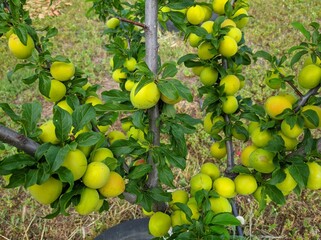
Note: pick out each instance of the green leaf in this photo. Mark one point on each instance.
(145, 200)
(182, 90)
(142, 83)
(275, 145)
(200, 196)
(251, 116)
(87, 139)
(17, 179)
(23, 65)
(51, 32)
(159, 195)
(44, 83)
(180, 4)
(143, 69)
(302, 29)
(108, 118)
(169, 110)
(187, 120)
(209, 217)
(240, 169)
(220, 230)
(175, 160)
(315, 25)
(169, 69)
(165, 175)
(302, 46)
(31, 114)
(242, 131)
(43, 174)
(22, 32)
(31, 177)
(8, 110)
(82, 116)
(177, 18)
(187, 57)
(63, 202)
(178, 140)
(16, 162)
(124, 147)
(30, 80)
(16, 3)
(139, 171)
(308, 142)
(167, 89)
(265, 55)
(199, 31)
(275, 194)
(225, 219)
(115, 95)
(60, 58)
(66, 176)
(113, 106)
(297, 57)
(299, 170)
(41, 150)
(111, 162)
(55, 156)
(186, 210)
(185, 235)
(63, 123)
(138, 118)
(278, 176)
(311, 116)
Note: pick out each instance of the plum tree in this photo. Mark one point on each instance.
(282, 149)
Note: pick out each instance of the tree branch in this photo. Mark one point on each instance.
(306, 97)
(30, 147)
(133, 22)
(295, 88)
(300, 151)
(18, 140)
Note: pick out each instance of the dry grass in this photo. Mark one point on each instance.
(79, 38)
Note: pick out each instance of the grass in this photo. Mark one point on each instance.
(80, 39)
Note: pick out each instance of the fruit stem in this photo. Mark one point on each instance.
(305, 98)
(151, 44)
(18, 140)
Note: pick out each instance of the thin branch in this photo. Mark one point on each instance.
(6, 5)
(129, 197)
(306, 97)
(295, 88)
(133, 22)
(301, 152)
(18, 140)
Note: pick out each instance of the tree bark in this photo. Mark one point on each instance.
(151, 9)
(17, 140)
